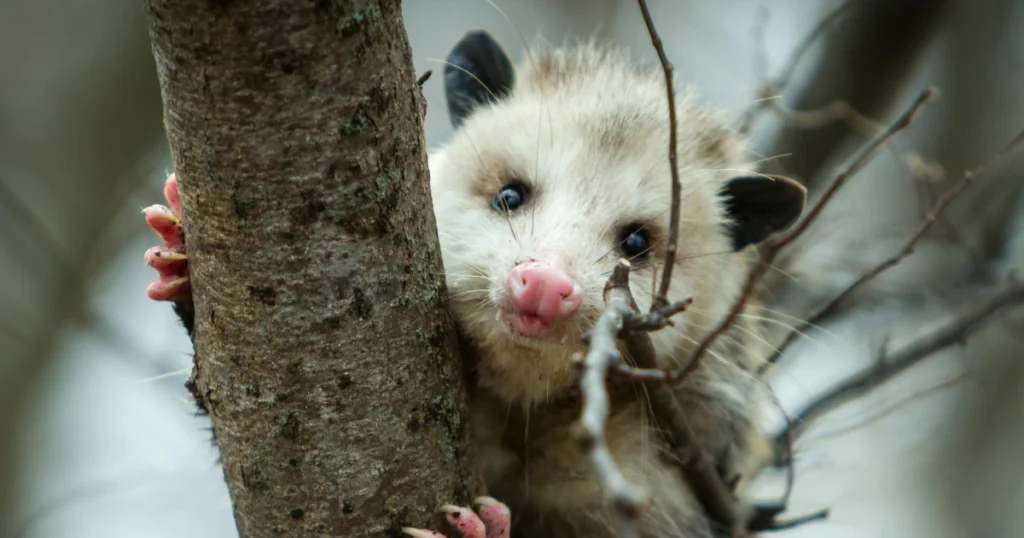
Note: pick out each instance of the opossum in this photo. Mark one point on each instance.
(556, 170)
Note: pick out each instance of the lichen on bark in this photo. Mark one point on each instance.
(325, 352)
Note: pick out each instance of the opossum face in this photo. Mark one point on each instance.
(551, 179)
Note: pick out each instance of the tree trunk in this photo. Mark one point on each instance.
(325, 352)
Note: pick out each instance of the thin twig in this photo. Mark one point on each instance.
(777, 241)
(699, 471)
(788, 524)
(34, 223)
(621, 320)
(661, 299)
(894, 407)
(802, 49)
(625, 498)
(766, 514)
(774, 87)
(906, 250)
(888, 366)
(861, 160)
(838, 110)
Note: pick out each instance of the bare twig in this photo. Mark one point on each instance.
(777, 242)
(805, 45)
(625, 498)
(772, 88)
(661, 299)
(698, 470)
(766, 514)
(838, 110)
(32, 222)
(621, 320)
(889, 366)
(788, 524)
(862, 158)
(895, 407)
(906, 250)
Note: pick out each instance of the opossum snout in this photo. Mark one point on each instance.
(542, 291)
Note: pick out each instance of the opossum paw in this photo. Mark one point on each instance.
(168, 259)
(492, 520)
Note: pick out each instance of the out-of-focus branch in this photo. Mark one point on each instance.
(867, 46)
(890, 365)
(661, 299)
(771, 88)
(906, 250)
(777, 242)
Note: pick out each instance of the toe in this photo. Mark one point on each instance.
(170, 288)
(496, 516)
(167, 260)
(465, 521)
(165, 223)
(171, 194)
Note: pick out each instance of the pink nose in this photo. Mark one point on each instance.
(542, 291)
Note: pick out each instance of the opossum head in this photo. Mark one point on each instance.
(558, 169)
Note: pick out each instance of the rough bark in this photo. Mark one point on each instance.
(325, 352)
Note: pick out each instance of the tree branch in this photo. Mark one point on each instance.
(625, 498)
(890, 365)
(661, 299)
(621, 320)
(906, 250)
(777, 242)
(768, 92)
(866, 47)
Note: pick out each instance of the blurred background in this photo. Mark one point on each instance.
(99, 436)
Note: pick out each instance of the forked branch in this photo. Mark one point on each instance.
(622, 321)
(906, 250)
(778, 241)
(889, 365)
(603, 356)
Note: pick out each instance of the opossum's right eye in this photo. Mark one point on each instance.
(509, 197)
(635, 243)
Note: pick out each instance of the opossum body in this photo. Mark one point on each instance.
(556, 170)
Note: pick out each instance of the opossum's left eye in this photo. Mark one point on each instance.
(635, 243)
(509, 197)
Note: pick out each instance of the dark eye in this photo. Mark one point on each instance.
(509, 197)
(635, 243)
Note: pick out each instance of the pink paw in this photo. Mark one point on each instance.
(168, 259)
(492, 520)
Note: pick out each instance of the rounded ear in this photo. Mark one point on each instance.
(757, 206)
(478, 71)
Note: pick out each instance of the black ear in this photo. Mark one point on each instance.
(761, 205)
(478, 70)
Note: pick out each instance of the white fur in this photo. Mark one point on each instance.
(589, 133)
